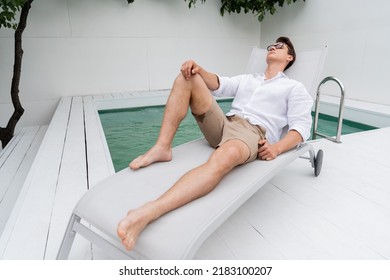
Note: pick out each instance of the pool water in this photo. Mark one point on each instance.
(131, 132)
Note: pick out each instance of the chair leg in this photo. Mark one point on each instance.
(316, 160)
(68, 239)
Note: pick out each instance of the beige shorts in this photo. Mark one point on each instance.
(218, 128)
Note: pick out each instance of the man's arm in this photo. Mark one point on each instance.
(269, 151)
(190, 68)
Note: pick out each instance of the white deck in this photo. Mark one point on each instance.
(342, 214)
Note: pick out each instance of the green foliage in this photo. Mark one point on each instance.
(192, 3)
(256, 7)
(8, 10)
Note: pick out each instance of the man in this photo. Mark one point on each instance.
(262, 106)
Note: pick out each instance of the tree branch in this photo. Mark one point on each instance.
(8, 132)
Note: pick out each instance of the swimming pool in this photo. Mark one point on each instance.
(132, 131)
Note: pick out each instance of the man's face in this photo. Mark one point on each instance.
(278, 51)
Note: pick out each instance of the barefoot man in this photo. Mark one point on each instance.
(262, 106)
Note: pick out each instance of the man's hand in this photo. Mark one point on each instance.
(267, 151)
(189, 68)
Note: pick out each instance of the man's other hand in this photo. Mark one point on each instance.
(267, 151)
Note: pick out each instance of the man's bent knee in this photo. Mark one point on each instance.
(230, 154)
(200, 97)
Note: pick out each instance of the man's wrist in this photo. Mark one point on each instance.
(278, 149)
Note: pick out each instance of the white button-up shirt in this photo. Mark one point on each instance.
(272, 104)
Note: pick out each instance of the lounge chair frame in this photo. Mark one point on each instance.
(210, 211)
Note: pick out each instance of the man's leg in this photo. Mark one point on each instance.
(185, 93)
(194, 184)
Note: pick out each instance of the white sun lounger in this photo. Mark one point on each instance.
(179, 233)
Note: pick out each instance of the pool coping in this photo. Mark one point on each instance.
(372, 114)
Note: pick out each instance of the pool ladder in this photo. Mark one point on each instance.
(341, 110)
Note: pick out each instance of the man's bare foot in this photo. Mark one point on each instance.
(130, 227)
(155, 154)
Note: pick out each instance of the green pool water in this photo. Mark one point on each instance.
(131, 132)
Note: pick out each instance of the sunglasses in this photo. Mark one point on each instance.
(277, 46)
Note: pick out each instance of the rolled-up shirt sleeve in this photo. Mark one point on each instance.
(299, 111)
(228, 86)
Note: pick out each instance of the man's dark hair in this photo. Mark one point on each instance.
(291, 50)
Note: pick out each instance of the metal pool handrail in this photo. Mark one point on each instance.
(341, 110)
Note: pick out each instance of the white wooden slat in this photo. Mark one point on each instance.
(4, 154)
(29, 234)
(214, 248)
(107, 96)
(117, 95)
(72, 179)
(334, 243)
(244, 241)
(364, 179)
(369, 220)
(20, 180)
(8, 168)
(135, 93)
(126, 94)
(279, 231)
(11, 144)
(368, 163)
(334, 197)
(346, 219)
(27, 150)
(99, 160)
(98, 97)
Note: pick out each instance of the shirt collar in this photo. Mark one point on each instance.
(279, 75)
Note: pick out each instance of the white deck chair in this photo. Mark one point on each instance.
(179, 234)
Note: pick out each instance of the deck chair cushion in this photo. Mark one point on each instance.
(178, 234)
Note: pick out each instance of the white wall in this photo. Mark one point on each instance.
(357, 33)
(80, 47)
